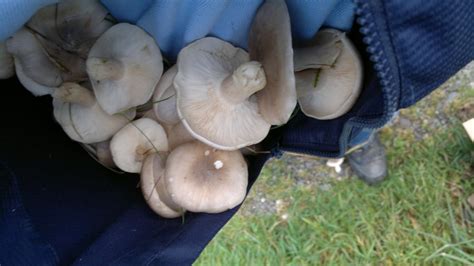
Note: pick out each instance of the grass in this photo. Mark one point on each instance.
(418, 216)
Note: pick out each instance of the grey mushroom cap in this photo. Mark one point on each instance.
(153, 187)
(32, 57)
(177, 134)
(164, 98)
(328, 93)
(270, 43)
(34, 87)
(202, 179)
(71, 25)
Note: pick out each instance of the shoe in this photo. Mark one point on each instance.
(369, 162)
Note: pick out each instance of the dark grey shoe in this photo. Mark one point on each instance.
(369, 162)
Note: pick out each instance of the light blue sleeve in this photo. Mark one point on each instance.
(176, 23)
(15, 13)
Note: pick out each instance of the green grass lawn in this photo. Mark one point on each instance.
(420, 215)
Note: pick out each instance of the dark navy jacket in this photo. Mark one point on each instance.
(57, 206)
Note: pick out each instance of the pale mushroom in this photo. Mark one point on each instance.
(78, 113)
(134, 142)
(32, 86)
(270, 43)
(164, 98)
(322, 53)
(71, 25)
(153, 187)
(34, 61)
(328, 93)
(7, 68)
(103, 153)
(177, 135)
(202, 179)
(215, 86)
(124, 66)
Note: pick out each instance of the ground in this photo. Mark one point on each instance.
(302, 212)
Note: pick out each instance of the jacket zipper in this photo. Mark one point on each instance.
(375, 48)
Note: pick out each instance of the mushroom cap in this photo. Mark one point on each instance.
(152, 177)
(73, 25)
(322, 53)
(103, 153)
(7, 68)
(329, 93)
(36, 64)
(270, 43)
(141, 63)
(202, 179)
(135, 141)
(211, 118)
(177, 135)
(164, 98)
(34, 87)
(86, 123)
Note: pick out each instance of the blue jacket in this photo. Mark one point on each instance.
(409, 48)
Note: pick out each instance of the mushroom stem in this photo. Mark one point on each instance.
(247, 79)
(74, 93)
(104, 68)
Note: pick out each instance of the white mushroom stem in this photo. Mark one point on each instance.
(74, 93)
(104, 68)
(247, 79)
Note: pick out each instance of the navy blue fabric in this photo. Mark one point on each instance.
(20, 243)
(412, 47)
(431, 40)
(69, 209)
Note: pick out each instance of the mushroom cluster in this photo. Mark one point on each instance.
(180, 127)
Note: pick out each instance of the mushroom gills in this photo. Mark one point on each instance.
(215, 86)
(124, 66)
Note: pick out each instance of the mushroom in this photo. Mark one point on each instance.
(202, 179)
(177, 135)
(72, 25)
(153, 187)
(32, 86)
(78, 113)
(103, 153)
(215, 84)
(322, 53)
(270, 44)
(164, 98)
(331, 92)
(124, 65)
(7, 68)
(134, 142)
(34, 61)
